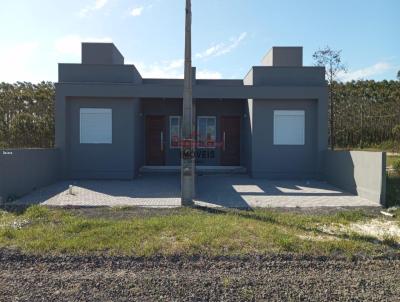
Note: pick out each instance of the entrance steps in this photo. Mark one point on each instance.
(201, 170)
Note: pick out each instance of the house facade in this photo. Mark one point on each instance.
(111, 122)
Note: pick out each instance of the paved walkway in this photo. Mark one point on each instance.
(235, 191)
(148, 191)
(240, 191)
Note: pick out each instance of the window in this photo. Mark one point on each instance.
(206, 131)
(95, 126)
(289, 127)
(174, 131)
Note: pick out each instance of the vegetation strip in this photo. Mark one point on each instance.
(201, 231)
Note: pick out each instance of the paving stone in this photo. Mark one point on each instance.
(235, 191)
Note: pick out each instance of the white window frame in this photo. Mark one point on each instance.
(107, 139)
(281, 142)
(170, 132)
(215, 130)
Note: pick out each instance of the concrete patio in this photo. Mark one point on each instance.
(233, 191)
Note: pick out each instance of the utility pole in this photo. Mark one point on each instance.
(188, 140)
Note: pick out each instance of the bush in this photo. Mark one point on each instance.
(392, 191)
(396, 166)
(37, 212)
(396, 135)
(396, 132)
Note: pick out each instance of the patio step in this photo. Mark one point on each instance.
(201, 170)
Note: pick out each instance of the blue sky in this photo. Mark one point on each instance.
(229, 36)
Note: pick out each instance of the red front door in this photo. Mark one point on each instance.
(230, 135)
(155, 135)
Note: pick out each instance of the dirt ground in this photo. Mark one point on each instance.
(250, 278)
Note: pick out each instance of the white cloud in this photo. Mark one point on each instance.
(96, 5)
(222, 48)
(171, 69)
(365, 73)
(208, 74)
(16, 62)
(100, 3)
(137, 11)
(71, 44)
(165, 69)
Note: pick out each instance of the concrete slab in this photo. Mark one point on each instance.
(241, 191)
(234, 191)
(147, 191)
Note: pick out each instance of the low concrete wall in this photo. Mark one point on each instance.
(24, 170)
(358, 172)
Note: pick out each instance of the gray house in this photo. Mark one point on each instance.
(111, 122)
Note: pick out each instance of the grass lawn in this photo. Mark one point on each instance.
(189, 231)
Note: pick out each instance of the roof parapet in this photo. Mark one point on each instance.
(284, 56)
(101, 54)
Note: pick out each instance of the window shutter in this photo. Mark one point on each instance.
(95, 126)
(289, 127)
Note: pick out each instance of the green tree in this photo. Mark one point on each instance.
(332, 61)
(27, 114)
(23, 128)
(396, 135)
(366, 113)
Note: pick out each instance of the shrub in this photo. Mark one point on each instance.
(37, 212)
(396, 166)
(396, 132)
(396, 135)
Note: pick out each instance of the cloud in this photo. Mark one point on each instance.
(222, 48)
(365, 73)
(16, 62)
(71, 44)
(208, 74)
(137, 11)
(171, 69)
(164, 69)
(96, 5)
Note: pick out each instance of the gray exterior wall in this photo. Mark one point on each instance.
(357, 172)
(277, 161)
(24, 170)
(79, 73)
(101, 53)
(252, 123)
(284, 76)
(103, 161)
(132, 98)
(267, 160)
(138, 132)
(284, 57)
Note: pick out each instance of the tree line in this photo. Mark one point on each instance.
(27, 115)
(366, 113)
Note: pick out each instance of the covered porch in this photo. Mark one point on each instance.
(220, 131)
